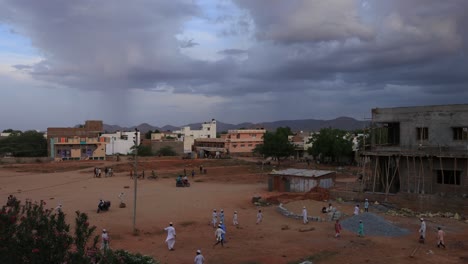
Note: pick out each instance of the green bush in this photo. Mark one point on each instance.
(166, 151)
(30, 233)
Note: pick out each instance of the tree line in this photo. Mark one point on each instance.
(23, 144)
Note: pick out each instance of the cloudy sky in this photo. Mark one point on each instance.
(182, 61)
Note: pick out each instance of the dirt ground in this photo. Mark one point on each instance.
(228, 185)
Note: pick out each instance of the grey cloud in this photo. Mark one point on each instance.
(188, 43)
(232, 52)
(304, 51)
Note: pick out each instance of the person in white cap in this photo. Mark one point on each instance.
(235, 222)
(171, 236)
(221, 215)
(105, 240)
(214, 219)
(219, 236)
(422, 231)
(304, 215)
(366, 206)
(199, 259)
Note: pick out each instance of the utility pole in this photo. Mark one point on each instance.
(135, 180)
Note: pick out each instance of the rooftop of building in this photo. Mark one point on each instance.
(301, 173)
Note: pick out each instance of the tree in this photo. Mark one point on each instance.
(143, 151)
(148, 134)
(276, 144)
(28, 144)
(331, 143)
(12, 131)
(166, 151)
(30, 233)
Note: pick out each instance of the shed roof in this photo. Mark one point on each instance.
(301, 173)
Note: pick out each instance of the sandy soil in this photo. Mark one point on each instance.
(229, 185)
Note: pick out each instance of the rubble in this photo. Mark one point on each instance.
(282, 210)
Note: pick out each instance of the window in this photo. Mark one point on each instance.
(422, 133)
(242, 145)
(250, 145)
(448, 177)
(238, 136)
(253, 135)
(83, 151)
(460, 133)
(235, 146)
(208, 128)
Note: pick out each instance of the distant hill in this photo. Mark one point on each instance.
(308, 125)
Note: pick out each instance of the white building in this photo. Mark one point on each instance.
(120, 142)
(208, 130)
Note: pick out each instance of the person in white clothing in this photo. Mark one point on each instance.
(304, 215)
(214, 219)
(422, 231)
(59, 208)
(171, 236)
(259, 217)
(234, 219)
(199, 259)
(356, 209)
(105, 240)
(219, 236)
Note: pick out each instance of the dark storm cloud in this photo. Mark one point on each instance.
(300, 46)
(372, 43)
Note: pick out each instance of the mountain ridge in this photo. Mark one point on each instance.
(306, 125)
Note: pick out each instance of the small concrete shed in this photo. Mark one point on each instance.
(300, 180)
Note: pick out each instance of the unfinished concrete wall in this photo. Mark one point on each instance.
(439, 120)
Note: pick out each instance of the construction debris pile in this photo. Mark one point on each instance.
(282, 210)
(406, 212)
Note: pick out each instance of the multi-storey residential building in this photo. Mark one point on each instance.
(120, 142)
(77, 143)
(188, 136)
(418, 150)
(243, 140)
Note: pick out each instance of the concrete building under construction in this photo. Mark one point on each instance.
(418, 151)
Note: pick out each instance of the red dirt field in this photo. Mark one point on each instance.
(228, 185)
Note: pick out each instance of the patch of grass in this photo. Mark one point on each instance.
(316, 258)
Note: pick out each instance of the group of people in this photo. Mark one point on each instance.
(108, 172)
(422, 234)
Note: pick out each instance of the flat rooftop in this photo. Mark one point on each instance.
(301, 172)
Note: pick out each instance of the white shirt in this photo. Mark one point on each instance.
(423, 227)
(105, 237)
(171, 234)
(219, 232)
(356, 210)
(304, 213)
(199, 259)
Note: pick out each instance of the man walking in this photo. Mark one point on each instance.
(366, 206)
(259, 217)
(422, 231)
(105, 240)
(171, 236)
(221, 215)
(214, 218)
(337, 229)
(304, 215)
(440, 237)
(219, 236)
(223, 227)
(234, 220)
(199, 259)
(361, 229)
(356, 209)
